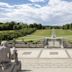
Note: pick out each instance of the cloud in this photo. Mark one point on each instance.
(54, 2)
(37, 0)
(56, 12)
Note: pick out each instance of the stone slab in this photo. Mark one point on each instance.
(54, 53)
(28, 53)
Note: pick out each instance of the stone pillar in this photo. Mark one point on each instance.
(46, 42)
(62, 43)
(53, 42)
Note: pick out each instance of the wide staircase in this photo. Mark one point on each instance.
(29, 65)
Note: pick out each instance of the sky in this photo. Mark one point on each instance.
(46, 12)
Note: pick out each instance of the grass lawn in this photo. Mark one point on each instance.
(46, 33)
(40, 34)
(61, 32)
(67, 34)
(29, 38)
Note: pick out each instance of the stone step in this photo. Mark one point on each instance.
(25, 71)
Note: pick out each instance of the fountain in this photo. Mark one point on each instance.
(53, 41)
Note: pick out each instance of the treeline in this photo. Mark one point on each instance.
(17, 26)
(10, 30)
(37, 26)
(12, 26)
(66, 26)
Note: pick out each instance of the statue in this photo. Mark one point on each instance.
(8, 59)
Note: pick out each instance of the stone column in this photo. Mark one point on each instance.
(46, 42)
(62, 43)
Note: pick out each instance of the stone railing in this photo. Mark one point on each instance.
(26, 45)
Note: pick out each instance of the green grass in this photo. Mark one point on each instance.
(61, 32)
(69, 38)
(45, 32)
(40, 34)
(67, 34)
(29, 38)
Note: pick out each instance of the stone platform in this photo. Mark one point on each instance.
(45, 60)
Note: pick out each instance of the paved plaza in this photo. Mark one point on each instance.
(53, 53)
(53, 58)
(28, 53)
(45, 60)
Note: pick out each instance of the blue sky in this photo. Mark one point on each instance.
(47, 12)
(15, 1)
(21, 1)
